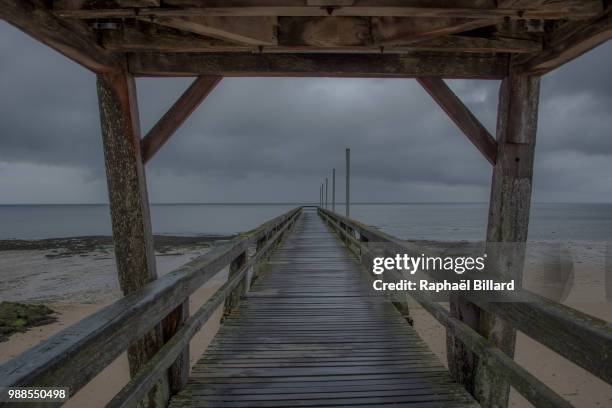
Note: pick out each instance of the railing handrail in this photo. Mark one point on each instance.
(581, 338)
(72, 357)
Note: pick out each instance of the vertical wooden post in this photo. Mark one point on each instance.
(129, 206)
(348, 182)
(131, 222)
(506, 233)
(234, 298)
(334, 190)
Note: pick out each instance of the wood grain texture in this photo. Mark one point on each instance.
(129, 205)
(408, 65)
(311, 332)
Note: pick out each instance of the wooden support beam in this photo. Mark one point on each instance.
(559, 9)
(567, 44)
(253, 31)
(506, 234)
(129, 204)
(71, 39)
(461, 115)
(176, 115)
(151, 37)
(407, 65)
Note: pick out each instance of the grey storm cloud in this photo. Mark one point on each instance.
(261, 138)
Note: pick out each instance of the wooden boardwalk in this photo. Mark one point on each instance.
(311, 333)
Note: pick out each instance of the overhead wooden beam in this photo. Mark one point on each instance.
(71, 39)
(568, 43)
(560, 9)
(133, 40)
(139, 3)
(408, 65)
(176, 115)
(461, 115)
(254, 31)
(151, 37)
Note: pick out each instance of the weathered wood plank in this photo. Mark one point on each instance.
(319, 65)
(149, 37)
(291, 342)
(461, 116)
(563, 9)
(254, 31)
(71, 39)
(161, 132)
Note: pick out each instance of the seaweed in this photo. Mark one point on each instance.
(19, 317)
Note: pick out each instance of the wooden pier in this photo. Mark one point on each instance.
(312, 333)
(513, 41)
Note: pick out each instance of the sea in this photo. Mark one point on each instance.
(431, 221)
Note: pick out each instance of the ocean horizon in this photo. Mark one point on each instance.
(406, 220)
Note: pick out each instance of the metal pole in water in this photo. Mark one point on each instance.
(326, 193)
(348, 182)
(334, 190)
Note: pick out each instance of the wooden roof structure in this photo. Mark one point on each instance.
(386, 38)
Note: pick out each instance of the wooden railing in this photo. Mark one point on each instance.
(580, 338)
(74, 356)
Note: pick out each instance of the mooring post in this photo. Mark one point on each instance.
(129, 206)
(334, 190)
(506, 234)
(348, 182)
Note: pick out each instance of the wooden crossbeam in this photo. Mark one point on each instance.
(568, 43)
(408, 65)
(560, 9)
(176, 115)
(152, 37)
(461, 115)
(241, 30)
(71, 39)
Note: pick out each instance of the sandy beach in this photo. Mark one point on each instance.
(55, 277)
(41, 276)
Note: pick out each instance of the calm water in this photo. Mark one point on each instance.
(448, 221)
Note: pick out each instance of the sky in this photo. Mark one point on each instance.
(276, 139)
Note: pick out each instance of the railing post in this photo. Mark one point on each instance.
(233, 299)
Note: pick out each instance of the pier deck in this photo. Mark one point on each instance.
(311, 333)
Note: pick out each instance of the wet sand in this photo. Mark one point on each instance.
(30, 275)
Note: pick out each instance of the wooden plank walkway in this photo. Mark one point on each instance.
(311, 333)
